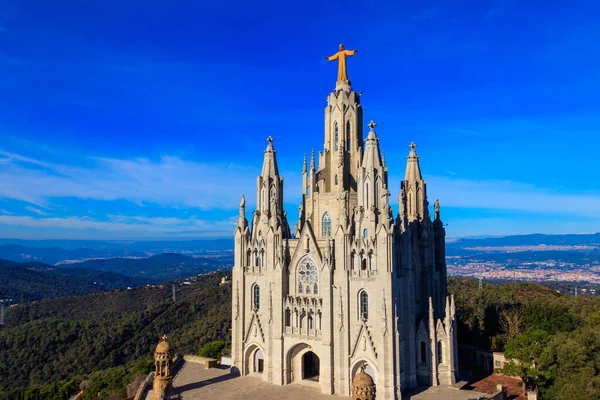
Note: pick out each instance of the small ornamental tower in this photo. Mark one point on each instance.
(363, 387)
(163, 378)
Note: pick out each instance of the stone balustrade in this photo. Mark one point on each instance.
(362, 273)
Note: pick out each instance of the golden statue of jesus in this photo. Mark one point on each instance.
(341, 57)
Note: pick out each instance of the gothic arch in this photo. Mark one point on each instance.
(249, 357)
(348, 135)
(294, 359)
(336, 136)
(326, 224)
(371, 365)
(363, 304)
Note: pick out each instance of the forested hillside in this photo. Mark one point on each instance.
(555, 337)
(48, 348)
(36, 281)
(161, 267)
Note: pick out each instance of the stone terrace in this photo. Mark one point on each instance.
(195, 382)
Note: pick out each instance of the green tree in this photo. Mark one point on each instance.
(212, 349)
(531, 358)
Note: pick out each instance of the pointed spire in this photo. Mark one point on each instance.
(243, 207)
(312, 160)
(452, 307)
(436, 209)
(372, 155)
(383, 159)
(270, 161)
(304, 167)
(242, 221)
(372, 134)
(413, 170)
(431, 312)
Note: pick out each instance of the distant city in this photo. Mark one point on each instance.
(573, 259)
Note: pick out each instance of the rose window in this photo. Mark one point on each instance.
(308, 278)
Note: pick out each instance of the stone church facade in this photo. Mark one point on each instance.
(352, 283)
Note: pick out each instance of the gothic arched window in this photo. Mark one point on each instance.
(336, 180)
(348, 135)
(326, 225)
(256, 297)
(365, 233)
(364, 305)
(440, 352)
(335, 128)
(308, 278)
(288, 318)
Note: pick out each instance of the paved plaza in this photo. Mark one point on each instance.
(196, 382)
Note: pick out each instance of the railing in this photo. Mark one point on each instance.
(254, 269)
(362, 273)
(303, 332)
(144, 386)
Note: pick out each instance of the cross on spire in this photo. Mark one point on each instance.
(412, 145)
(372, 125)
(164, 337)
(270, 139)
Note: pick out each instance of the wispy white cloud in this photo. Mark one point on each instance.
(35, 210)
(174, 182)
(121, 225)
(168, 181)
(507, 195)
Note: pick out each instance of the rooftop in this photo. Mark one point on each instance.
(196, 382)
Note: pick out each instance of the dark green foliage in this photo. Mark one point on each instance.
(99, 338)
(212, 349)
(35, 281)
(558, 346)
(158, 268)
(536, 358)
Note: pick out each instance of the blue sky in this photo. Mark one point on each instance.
(148, 119)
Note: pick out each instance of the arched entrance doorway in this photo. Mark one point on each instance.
(310, 366)
(259, 361)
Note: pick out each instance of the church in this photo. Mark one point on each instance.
(352, 286)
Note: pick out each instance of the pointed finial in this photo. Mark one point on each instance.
(363, 367)
(304, 168)
(383, 159)
(164, 338)
(412, 146)
(372, 125)
(243, 202)
(312, 160)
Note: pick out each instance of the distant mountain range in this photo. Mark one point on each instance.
(531, 240)
(36, 281)
(56, 251)
(169, 266)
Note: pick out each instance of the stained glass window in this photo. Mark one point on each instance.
(364, 305)
(348, 135)
(256, 297)
(336, 136)
(326, 225)
(308, 278)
